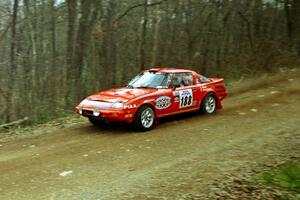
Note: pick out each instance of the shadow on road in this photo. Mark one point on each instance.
(124, 128)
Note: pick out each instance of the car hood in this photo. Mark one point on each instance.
(121, 94)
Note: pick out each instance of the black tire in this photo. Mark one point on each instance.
(209, 104)
(96, 122)
(138, 123)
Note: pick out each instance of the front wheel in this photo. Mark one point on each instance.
(209, 104)
(144, 119)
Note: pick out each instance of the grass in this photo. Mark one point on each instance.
(285, 177)
(263, 81)
(37, 129)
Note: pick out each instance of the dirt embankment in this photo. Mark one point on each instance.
(185, 157)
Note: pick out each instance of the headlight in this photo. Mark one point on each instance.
(96, 113)
(80, 111)
(117, 105)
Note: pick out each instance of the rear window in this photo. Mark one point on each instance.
(204, 79)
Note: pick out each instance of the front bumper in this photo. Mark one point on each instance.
(125, 115)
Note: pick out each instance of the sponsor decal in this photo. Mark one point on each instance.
(186, 98)
(163, 102)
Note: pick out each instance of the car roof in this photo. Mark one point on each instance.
(170, 70)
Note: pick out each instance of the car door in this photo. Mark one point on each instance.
(163, 98)
(185, 92)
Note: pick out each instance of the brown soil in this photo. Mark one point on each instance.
(183, 158)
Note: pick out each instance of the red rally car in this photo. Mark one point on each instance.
(152, 94)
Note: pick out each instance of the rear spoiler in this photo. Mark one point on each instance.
(217, 80)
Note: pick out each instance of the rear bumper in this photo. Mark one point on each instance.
(125, 115)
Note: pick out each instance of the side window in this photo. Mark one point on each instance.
(188, 79)
(182, 79)
(204, 79)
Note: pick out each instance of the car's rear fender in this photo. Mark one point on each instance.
(219, 87)
(218, 99)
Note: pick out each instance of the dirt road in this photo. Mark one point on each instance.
(180, 159)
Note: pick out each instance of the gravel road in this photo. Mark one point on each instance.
(182, 158)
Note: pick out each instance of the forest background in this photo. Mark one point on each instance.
(53, 53)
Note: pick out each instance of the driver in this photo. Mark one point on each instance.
(178, 82)
(187, 81)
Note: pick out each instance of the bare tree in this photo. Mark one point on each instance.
(54, 53)
(13, 63)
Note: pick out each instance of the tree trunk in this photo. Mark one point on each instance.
(143, 35)
(88, 17)
(155, 24)
(13, 62)
(52, 78)
(72, 5)
(289, 23)
(296, 24)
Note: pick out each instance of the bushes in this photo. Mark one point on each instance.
(285, 177)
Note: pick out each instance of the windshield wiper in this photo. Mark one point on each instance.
(144, 87)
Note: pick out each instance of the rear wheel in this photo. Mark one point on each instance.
(144, 118)
(96, 122)
(209, 104)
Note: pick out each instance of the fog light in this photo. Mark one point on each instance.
(96, 113)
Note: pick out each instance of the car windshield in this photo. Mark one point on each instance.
(150, 80)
